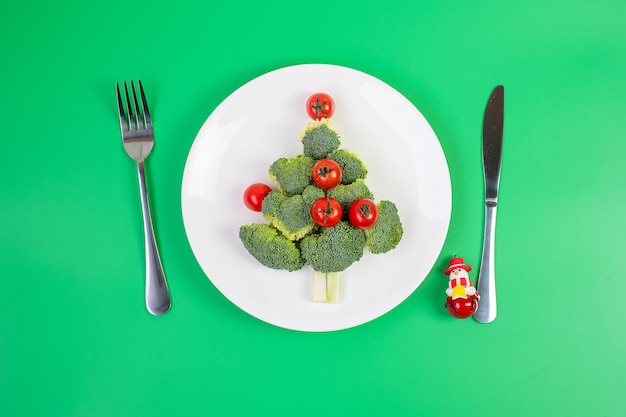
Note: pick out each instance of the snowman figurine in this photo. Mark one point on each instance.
(462, 298)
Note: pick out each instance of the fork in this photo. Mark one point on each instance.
(138, 140)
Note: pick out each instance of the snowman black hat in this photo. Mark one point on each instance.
(455, 263)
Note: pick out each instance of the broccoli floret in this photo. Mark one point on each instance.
(352, 167)
(312, 193)
(345, 194)
(271, 202)
(387, 231)
(292, 175)
(290, 215)
(270, 248)
(318, 139)
(334, 248)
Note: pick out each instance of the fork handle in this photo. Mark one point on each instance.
(157, 291)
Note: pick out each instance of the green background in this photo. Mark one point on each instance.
(75, 337)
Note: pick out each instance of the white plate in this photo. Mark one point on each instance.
(259, 123)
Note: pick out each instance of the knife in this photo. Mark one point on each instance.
(493, 123)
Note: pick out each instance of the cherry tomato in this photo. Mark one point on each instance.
(326, 212)
(363, 213)
(320, 106)
(254, 195)
(326, 173)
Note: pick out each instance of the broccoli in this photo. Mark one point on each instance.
(312, 193)
(387, 232)
(333, 249)
(290, 215)
(347, 193)
(292, 239)
(352, 167)
(270, 248)
(270, 204)
(292, 175)
(318, 139)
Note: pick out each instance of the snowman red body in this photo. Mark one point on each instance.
(462, 298)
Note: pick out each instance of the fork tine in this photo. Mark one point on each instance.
(130, 109)
(146, 112)
(120, 104)
(138, 115)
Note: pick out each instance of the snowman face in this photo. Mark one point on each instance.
(459, 273)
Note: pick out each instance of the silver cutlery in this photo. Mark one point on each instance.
(493, 124)
(138, 140)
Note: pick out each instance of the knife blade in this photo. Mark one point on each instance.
(493, 125)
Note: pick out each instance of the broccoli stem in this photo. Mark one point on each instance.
(326, 287)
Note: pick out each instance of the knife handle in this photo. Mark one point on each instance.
(487, 308)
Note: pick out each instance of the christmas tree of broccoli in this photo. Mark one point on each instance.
(321, 212)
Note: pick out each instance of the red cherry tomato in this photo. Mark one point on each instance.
(254, 195)
(326, 173)
(326, 212)
(363, 213)
(320, 106)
